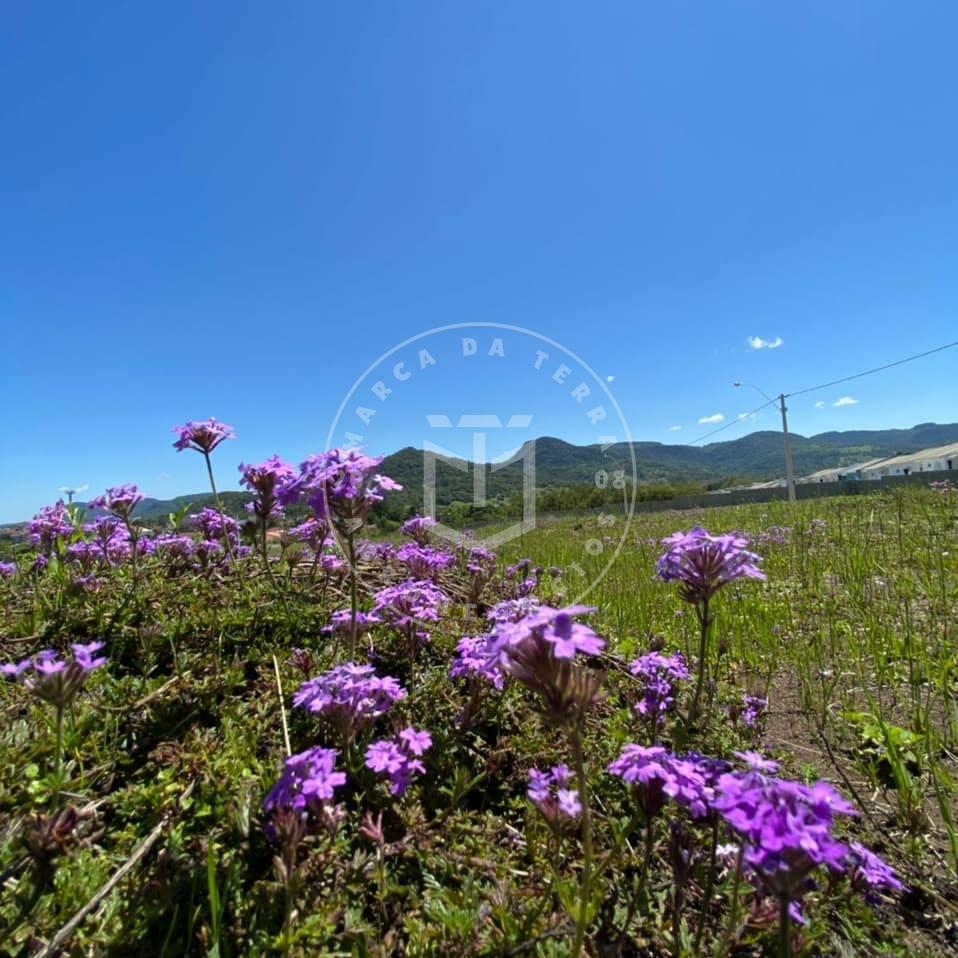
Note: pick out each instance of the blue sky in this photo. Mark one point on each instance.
(233, 209)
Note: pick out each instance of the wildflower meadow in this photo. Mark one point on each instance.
(304, 730)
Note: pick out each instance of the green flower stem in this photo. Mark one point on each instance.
(784, 928)
(585, 887)
(705, 628)
(707, 893)
(219, 507)
(353, 593)
(733, 911)
(58, 753)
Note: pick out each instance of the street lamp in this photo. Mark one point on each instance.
(71, 491)
(789, 471)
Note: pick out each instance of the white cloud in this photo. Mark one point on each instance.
(610, 379)
(820, 404)
(164, 476)
(675, 428)
(746, 415)
(709, 420)
(845, 401)
(756, 342)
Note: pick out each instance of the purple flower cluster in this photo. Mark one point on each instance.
(521, 578)
(307, 783)
(399, 757)
(7, 570)
(110, 543)
(203, 436)
(655, 774)
(512, 610)
(267, 481)
(777, 535)
(214, 527)
(340, 485)
(212, 524)
(786, 826)
(472, 660)
(424, 562)
(349, 696)
(175, 544)
(417, 528)
(660, 675)
(48, 526)
(314, 532)
(407, 605)
(702, 563)
(550, 793)
(540, 650)
(53, 679)
(753, 710)
(480, 563)
(556, 627)
(868, 872)
(118, 500)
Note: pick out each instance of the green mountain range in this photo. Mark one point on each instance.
(756, 456)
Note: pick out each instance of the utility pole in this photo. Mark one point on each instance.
(789, 471)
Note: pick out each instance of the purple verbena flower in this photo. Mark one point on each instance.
(753, 711)
(540, 650)
(659, 674)
(341, 622)
(550, 793)
(118, 500)
(417, 528)
(472, 660)
(341, 485)
(408, 605)
(175, 544)
(203, 436)
(424, 562)
(56, 680)
(512, 610)
(48, 526)
(266, 480)
(703, 563)
(555, 626)
(349, 696)
(314, 532)
(868, 872)
(398, 757)
(7, 570)
(306, 786)
(655, 774)
(786, 826)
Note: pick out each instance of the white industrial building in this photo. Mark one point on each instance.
(936, 459)
(841, 473)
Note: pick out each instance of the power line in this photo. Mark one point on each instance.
(734, 422)
(877, 369)
(834, 382)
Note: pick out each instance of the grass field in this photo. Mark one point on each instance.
(170, 748)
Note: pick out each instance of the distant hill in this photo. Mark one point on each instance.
(756, 456)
